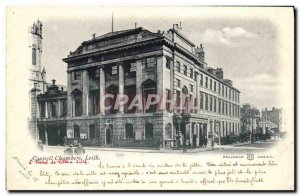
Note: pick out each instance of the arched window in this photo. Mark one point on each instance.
(33, 56)
(149, 89)
(129, 131)
(149, 131)
(76, 131)
(92, 132)
(186, 100)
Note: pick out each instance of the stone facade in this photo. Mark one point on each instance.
(137, 63)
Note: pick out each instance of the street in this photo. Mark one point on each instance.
(223, 149)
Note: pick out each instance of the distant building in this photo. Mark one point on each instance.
(39, 88)
(274, 115)
(266, 125)
(137, 62)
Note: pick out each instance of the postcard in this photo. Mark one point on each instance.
(150, 98)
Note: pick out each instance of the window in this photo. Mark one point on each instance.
(219, 88)
(92, 132)
(129, 134)
(33, 56)
(53, 109)
(150, 62)
(210, 84)
(95, 101)
(76, 131)
(206, 82)
(77, 75)
(168, 96)
(168, 63)
(191, 73)
(219, 106)
(178, 99)
(114, 70)
(185, 70)
(226, 92)
(64, 108)
(78, 104)
(223, 128)
(149, 89)
(201, 101)
(215, 86)
(42, 106)
(223, 108)
(229, 93)
(210, 104)
(192, 88)
(222, 90)
(215, 105)
(178, 66)
(201, 79)
(178, 82)
(206, 102)
(196, 74)
(149, 131)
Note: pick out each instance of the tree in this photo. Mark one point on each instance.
(249, 113)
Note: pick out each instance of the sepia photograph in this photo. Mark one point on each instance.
(150, 98)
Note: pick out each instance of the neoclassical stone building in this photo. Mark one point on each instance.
(138, 63)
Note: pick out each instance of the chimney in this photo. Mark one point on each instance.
(219, 73)
(94, 35)
(199, 51)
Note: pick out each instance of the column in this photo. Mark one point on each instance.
(204, 100)
(139, 80)
(46, 135)
(172, 84)
(46, 110)
(85, 92)
(161, 64)
(201, 133)
(198, 93)
(59, 108)
(69, 95)
(121, 87)
(198, 134)
(102, 90)
(189, 131)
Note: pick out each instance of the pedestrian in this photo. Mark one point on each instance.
(40, 146)
(79, 150)
(205, 142)
(69, 151)
(65, 139)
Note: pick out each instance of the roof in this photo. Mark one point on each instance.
(114, 34)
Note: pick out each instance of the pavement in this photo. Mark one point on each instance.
(236, 147)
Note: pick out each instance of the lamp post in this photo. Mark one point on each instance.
(213, 138)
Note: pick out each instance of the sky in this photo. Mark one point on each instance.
(245, 47)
